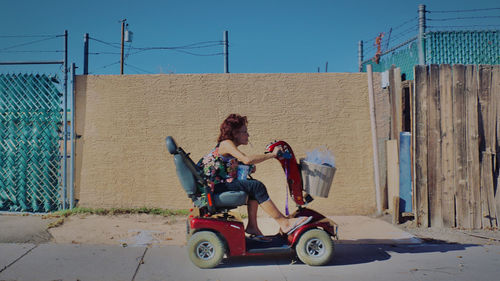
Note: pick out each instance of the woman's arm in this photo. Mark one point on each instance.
(228, 147)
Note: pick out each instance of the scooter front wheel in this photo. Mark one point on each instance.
(315, 247)
(206, 249)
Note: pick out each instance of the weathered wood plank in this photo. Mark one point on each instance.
(421, 191)
(488, 200)
(398, 93)
(412, 146)
(459, 127)
(392, 171)
(486, 131)
(395, 214)
(434, 148)
(392, 94)
(495, 90)
(447, 147)
(485, 144)
(472, 140)
(405, 195)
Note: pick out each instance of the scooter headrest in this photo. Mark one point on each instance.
(171, 145)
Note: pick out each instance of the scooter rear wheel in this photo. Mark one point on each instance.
(315, 247)
(206, 249)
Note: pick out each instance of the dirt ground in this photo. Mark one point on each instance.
(151, 230)
(127, 230)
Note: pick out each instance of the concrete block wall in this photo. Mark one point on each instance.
(122, 160)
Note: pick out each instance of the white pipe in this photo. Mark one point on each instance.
(371, 99)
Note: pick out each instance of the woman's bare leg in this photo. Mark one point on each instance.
(252, 226)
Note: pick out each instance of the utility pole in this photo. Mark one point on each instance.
(226, 52)
(123, 38)
(86, 54)
(360, 56)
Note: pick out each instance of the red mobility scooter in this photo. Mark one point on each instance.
(213, 232)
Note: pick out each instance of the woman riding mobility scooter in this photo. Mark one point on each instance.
(213, 232)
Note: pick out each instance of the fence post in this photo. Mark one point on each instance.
(371, 100)
(421, 34)
(65, 121)
(72, 139)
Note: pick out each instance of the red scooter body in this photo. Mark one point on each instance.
(292, 170)
(232, 230)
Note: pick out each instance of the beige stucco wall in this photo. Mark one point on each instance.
(123, 120)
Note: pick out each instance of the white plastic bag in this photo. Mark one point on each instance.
(321, 156)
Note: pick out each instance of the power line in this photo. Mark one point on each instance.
(199, 55)
(395, 28)
(27, 43)
(406, 22)
(103, 53)
(463, 26)
(33, 51)
(140, 69)
(198, 45)
(26, 36)
(114, 45)
(108, 65)
(464, 11)
(465, 18)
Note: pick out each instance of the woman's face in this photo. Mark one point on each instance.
(241, 136)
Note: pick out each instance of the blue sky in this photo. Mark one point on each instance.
(265, 36)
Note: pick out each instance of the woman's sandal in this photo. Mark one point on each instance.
(300, 222)
(260, 238)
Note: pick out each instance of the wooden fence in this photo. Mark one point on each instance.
(456, 139)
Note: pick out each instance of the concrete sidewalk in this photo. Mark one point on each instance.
(352, 262)
(368, 249)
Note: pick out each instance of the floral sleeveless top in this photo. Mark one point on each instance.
(218, 168)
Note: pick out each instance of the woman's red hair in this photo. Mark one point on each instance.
(232, 123)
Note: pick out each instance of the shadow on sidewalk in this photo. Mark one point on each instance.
(350, 254)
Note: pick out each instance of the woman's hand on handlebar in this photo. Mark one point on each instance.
(277, 152)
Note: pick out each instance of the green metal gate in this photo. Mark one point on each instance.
(31, 121)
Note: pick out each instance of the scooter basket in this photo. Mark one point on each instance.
(316, 179)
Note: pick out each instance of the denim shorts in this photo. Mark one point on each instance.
(255, 189)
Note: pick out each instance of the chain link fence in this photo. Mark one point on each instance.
(31, 121)
(443, 47)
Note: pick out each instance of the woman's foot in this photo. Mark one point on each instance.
(256, 234)
(290, 225)
(253, 231)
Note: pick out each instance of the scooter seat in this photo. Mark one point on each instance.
(230, 199)
(191, 177)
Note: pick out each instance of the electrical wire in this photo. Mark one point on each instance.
(33, 51)
(465, 18)
(114, 45)
(104, 53)
(26, 36)
(108, 65)
(464, 11)
(28, 43)
(199, 55)
(394, 28)
(462, 26)
(140, 69)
